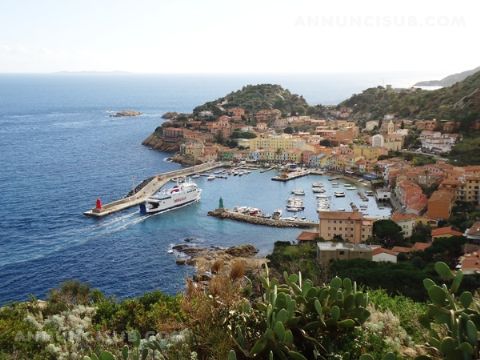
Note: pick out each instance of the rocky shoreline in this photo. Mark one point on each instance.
(156, 143)
(213, 259)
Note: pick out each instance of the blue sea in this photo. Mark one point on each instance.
(60, 150)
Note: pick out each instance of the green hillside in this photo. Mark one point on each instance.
(460, 102)
(257, 97)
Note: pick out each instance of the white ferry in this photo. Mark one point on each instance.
(180, 195)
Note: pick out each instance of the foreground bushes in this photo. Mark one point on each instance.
(234, 317)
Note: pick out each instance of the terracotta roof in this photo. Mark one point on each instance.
(381, 250)
(402, 249)
(340, 215)
(307, 236)
(442, 194)
(419, 246)
(403, 217)
(471, 262)
(445, 231)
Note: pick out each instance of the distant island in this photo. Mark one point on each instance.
(126, 113)
(450, 79)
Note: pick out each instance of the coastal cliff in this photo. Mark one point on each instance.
(155, 142)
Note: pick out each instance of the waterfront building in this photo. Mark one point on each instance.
(329, 251)
(193, 149)
(351, 226)
(410, 196)
(307, 237)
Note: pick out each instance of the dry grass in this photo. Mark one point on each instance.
(217, 266)
(237, 270)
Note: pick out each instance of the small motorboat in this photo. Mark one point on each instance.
(339, 194)
(298, 192)
(211, 177)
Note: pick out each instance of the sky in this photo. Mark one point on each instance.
(244, 36)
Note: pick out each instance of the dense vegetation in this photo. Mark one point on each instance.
(257, 97)
(460, 102)
(466, 152)
(259, 317)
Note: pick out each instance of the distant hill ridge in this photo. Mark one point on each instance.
(450, 79)
(460, 102)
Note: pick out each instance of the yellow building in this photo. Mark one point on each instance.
(274, 142)
(369, 153)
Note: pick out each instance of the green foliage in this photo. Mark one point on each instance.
(237, 134)
(453, 322)
(397, 279)
(70, 293)
(152, 311)
(463, 216)
(447, 249)
(404, 308)
(387, 233)
(466, 151)
(257, 97)
(305, 321)
(294, 258)
(421, 233)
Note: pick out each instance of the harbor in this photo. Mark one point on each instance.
(149, 188)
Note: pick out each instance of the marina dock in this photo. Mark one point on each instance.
(232, 215)
(291, 175)
(150, 188)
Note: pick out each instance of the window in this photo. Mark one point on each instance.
(342, 252)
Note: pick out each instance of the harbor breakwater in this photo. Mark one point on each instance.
(256, 220)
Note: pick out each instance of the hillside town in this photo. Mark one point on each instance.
(403, 159)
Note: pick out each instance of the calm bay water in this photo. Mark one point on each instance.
(60, 150)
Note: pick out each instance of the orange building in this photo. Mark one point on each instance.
(440, 204)
(349, 225)
(446, 231)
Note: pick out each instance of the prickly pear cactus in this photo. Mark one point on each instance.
(297, 314)
(455, 314)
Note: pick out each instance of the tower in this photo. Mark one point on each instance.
(390, 128)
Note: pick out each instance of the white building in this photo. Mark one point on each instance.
(384, 255)
(437, 142)
(378, 140)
